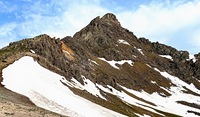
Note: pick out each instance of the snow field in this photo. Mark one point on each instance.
(123, 42)
(45, 89)
(167, 56)
(113, 62)
(140, 50)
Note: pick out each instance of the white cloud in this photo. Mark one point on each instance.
(196, 37)
(6, 35)
(163, 21)
(5, 7)
(27, 0)
(57, 19)
(195, 41)
(74, 17)
(156, 17)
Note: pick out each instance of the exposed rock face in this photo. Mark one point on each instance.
(101, 37)
(109, 17)
(167, 50)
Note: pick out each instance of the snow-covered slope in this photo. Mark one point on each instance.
(166, 104)
(44, 88)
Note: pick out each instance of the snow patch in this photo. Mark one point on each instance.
(153, 82)
(166, 104)
(93, 62)
(74, 83)
(126, 98)
(91, 87)
(88, 86)
(167, 56)
(32, 51)
(142, 115)
(148, 65)
(134, 56)
(169, 104)
(146, 115)
(123, 42)
(192, 57)
(179, 83)
(140, 50)
(45, 89)
(113, 63)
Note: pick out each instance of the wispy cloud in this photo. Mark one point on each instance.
(57, 19)
(164, 22)
(6, 34)
(5, 7)
(27, 0)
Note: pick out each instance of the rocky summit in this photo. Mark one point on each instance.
(103, 70)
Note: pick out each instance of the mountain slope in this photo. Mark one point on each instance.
(52, 94)
(109, 66)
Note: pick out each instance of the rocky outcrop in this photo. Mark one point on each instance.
(101, 35)
(109, 17)
(162, 49)
(180, 66)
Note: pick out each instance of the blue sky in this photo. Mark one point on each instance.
(172, 22)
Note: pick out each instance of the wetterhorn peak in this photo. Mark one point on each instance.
(110, 17)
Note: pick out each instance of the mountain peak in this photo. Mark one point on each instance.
(101, 26)
(110, 17)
